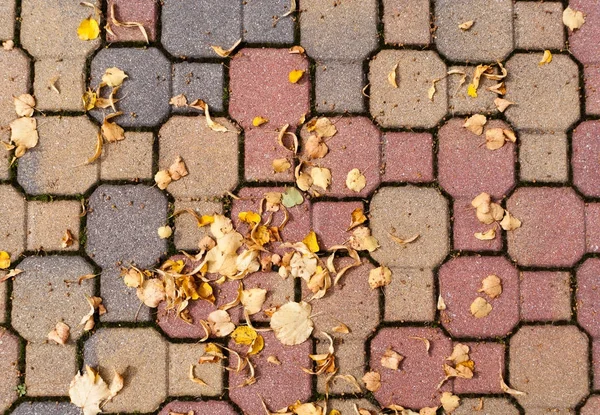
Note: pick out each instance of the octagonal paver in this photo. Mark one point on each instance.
(459, 280)
(36, 312)
(543, 157)
(584, 159)
(181, 356)
(491, 406)
(489, 363)
(12, 227)
(552, 233)
(205, 407)
(408, 105)
(46, 408)
(588, 296)
(464, 226)
(549, 364)
(408, 211)
(9, 371)
(584, 41)
(546, 96)
(592, 406)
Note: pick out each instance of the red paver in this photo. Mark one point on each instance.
(260, 86)
(415, 384)
(407, 157)
(592, 227)
(591, 75)
(586, 151)
(545, 296)
(588, 296)
(278, 385)
(330, 221)
(139, 11)
(489, 363)
(465, 226)
(460, 278)
(585, 42)
(206, 407)
(592, 406)
(552, 232)
(466, 167)
(596, 364)
(260, 149)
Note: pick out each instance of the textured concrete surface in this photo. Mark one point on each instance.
(7, 20)
(538, 25)
(187, 232)
(407, 157)
(591, 75)
(263, 22)
(181, 356)
(144, 12)
(410, 296)
(406, 22)
(460, 102)
(491, 406)
(67, 76)
(198, 81)
(587, 296)
(47, 224)
(545, 295)
(9, 372)
(489, 362)
(46, 408)
(12, 207)
(338, 86)
(206, 407)
(592, 227)
(330, 221)
(586, 149)
(543, 158)
(50, 369)
(128, 159)
(583, 42)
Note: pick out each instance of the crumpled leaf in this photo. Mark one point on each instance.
(88, 391)
(491, 285)
(253, 299)
(475, 123)
(391, 359)
(306, 409)
(95, 303)
(401, 241)
(499, 88)
(431, 91)
(291, 197)
(321, 177)
(480, 308)
(356, 181)
(152, 292)
(392, 76)
(164, 232)
(362, 240)
(111, 131)
(4, 260)
(487, 235)
(357, 218)
(225, 52)
(298, 50)
(60, 333)
(372, 381)
(281, 165)
(380, 277)
(193, 378)
(573, 19)
(341, 328)
(466, 25)
(23, 134)
(311, 242)
(315, 147)
(24, 105)
(213, 125)
(220, 323)
(546, 59)
(178, 101)
(449, 401)
(162, 179)
(177, 170)
(502, 104)
(322, 127)
(295, 76)
(67, 239)
(507, 389)
(114, 77)
(125, 24)
(258, 121)
(509, 222)
(291, 323)
(88, 29)
(425, 341)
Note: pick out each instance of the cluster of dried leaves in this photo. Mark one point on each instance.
(23, 130)
(488, 213)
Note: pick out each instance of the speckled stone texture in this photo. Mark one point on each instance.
(406, 22)
(596, 363)
(592, 406)
(263, 22)
(121, 302)
(181, 356)
(338, 87)
(47, 224)
(50, 369)
(408, 105)
(198, 81)
(9, 371)
(592, 89)
(552, 233)
(586, 150)
(584, 41)
(330, 221)
(538, 25)
(550, 365)
(46, 408)
(545, 296)
(489, 362)
(12, 207)
(3, 299)
(466, 224)
(410, 296)
(346, 406)
(407, 157)
(543, 157)
(587, 296)
(260, 149)
(67, 75)
(592, 227)
(205, 407)
(491, 406)
(460, 102)
(187, 232)
(128, 159)
(139, 11)
(7, 20)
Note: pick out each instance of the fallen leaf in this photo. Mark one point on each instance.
(509, 135)
(487, 235)
(424, 340)
(215, 126)
(162, 179)
(111, 131)
(177, 170)
(480, 308)
(296, 50)
(311, 242)
(372, 381)
(60, 333)
(225, 52)
(315, 147)
(306, 409)
(274, 360)
(89, 98)
(441, 304)
(11, 274)
(356, 181)
(23, 134)
(88, 29)
(573, 19)
(178, 101)
(482, 201)
(494, 212)
(291, 323)
(449, 401)
(321, 177)
(95, 303)
(357, 218)
(24, 105)
(502, 104)
(116, 385)
(491, 285)
(380, 277)
(507, 389)
(114, 77)
(67, 239)
(391, 359)
(193, 378)
(392, 76)
(429, 410)
(499, 88)
(401, 241)
(8, 45)
(253, 299)
(466, 25)
(165, 232)
(126, 24)
(151, 292)
(249, 217)
(220, 323)
(88, 391)
(341, 328)
(295, 76)
(472, 91)
(460, 354)
(291, 197)
(546, 59)
(509, 222)
(475, 123)
(322, 127)
(4, 260)
(494, 138)
(281, 165)
(258, 121)
(431, 91)
(362, 240)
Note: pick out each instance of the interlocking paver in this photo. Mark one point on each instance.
(406, 22)
(67, 75)
(330, 221)
(592, 227)
(205, 407)
(121, 302)
(491, 406)
(263, 22)
(12, 229)
(543, 157)
(550, 365)
(279, 292)
(539, 25)
(587, 296)
(592, 406)
(346, 406)
(408, 105)
(350, 359)
(407, 157)
(416, 384)
(546, 96)
(545, 296)
(260, 149)
(459, 280)
(144, 367)
(214, 23)
(410, 295)
(596, 363)
(146, 91)
(128, 159)
(591, 75)
(9, 378)
(586, 149)
(552, 233)
(49, 369)
(338, 30)
(187, 232)
(466, 224)
(36, 312)
(211, 157)
(489, 362)
(198, 81)
(57, 164)
(490, 38)
(584, 41)
(338, 86)
(467, 167)
(460, 102)
(7, 20)
(3, 299)
(144, 12)
(46, 408)
(181, 356)
(409, 211)
(47, 224)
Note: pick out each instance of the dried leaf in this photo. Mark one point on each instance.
(291, 197)
(24, 105)
(152, 292)
(449, 401)
(8, 45)
(341, 328)
(296, 50)
(274, 360)
(162, 179)
(499, 88)
(392, 76)
(177, 170)
(60, 333)
(475, 123)
(116, 385)
(362, 240)
(502, 104)
(220, 323)
(295, 76)
(441, 304)
(372, 381)
(491, 285)
(321, 177)
(460, 354)
(114, 77)
(165, 232)
(573, 19)
(357, 218)
(4, 260)
(431, 91)
(507, 389)
(88, 29)
(487, 235)
(88, 391)
(111, 131)
(225, 52)
(253, 299)
(322, 127)
(178, 101)
(258, 121)
(546, 59)
(509, 222)
(401, 241)
(482, 202)
(67, 239)
(480, 308)
(509, 135)
(380, 277)
(494, 138)
(215, 126)
(429, 410)
(89, 98)
(291, 323)
(356, 181)
(311, 242)
(391, 359)
(127, 24)
(23, 134)
(193, 378)
(315, 147)
(466, 25)
(11, 274)
(424, 340)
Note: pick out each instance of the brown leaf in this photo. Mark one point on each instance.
(491, 285)
(357, 218)
(225, 52)
(296, 50)
(341, 328)
(372, 381)
(480, 308)
(391, 359)
(315, 147)
(67, 239)
(401, 241)
(60, 333)
(510, 135)
(475, 123)
(499, 88)
(111, 131)
(177, 170)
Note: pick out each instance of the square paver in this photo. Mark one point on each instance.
(7, 20)
(50, 369)
(410, 296)
(187, 232)
(406, 22)
(67, 76)
(181, 356)
(263, 22)
(12, 229)
(539, 25)
(139, 11)
(545, 296)
(47, 224)
(407, 157)
(592, 227)
(128, 159)
(543, 157)
(338, 86)
(198, 81)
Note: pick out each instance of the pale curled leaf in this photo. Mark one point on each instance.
(502, 104)
(573, 19)
(391, 359)
(178, 101)
(88, 391)
(291, 323)
(480, 308)
(424, 340)
(507, 389)
(486, 235)
(392, 76)
(127, 24)
(114, 77)
(225, 52)
(449, 401)
(509, 222)
(355, 180)
(24, 105)
(491, 285)
(475, 123)
(466, 25)
(372, 381)
(321, 177)
(380, 277)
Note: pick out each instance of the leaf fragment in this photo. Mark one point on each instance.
(193, 378)
(466, 25)
(357, 218)
(449, 401)
(372, 381)
(355, 180)
(392, 76)
(258, 121)
(178, 101)
(225, 52)
(60, 333)
(391, 359)
(494, 138)
(546, 59)
(441, 304)
(311, 242)
(509, 222)
(281, 165)
(431, 91)
(67, 239)
(114, 77)
(23, 134)
(486, 235)
(4, 260)
(126, 24)
(220, 323)
(475, 123)
(299, 50)
(111, 131)
(321, 177)
(380, 277)
(88, 391)
(315, 147)
(502, 104)
(291, 197)
(424, 340)
(480, 308)
(295, 76)
(253, 299)
(507, 389)
(341, 328)
(573, 19)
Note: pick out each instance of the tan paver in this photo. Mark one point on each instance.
(49, 369)
(128, 159)
(47, 223)
(181, 356)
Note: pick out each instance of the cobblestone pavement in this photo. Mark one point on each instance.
(422, 169)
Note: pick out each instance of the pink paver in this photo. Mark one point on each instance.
(585, 42)
(489, 363)
(461, 278)
(330, 221)
(552, 233)
(545, 296)
(408, 157)
(588, 296)
(206, 407)
(586, 150)
(591, 75)
(466, 167)
(278, 385)
(466, 225)
(592, 227)
(592, 406)
(260, 149)
(415, 383)
(596, 364)
(260, 86)
(139, 11)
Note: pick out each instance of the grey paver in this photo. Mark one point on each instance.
(543, 157)
(338, 30)
(410, 296)
(490, 38)
(338, 86)
(7, 20)
(215, 22)
(491, 406)
(128, 159)
(198, 81)
(408, 105)
(147, 88)
(181, 356)
(68, 76)
(57, 164)
(47, 224)
(9, 371)
(263, 22)
(406, 22)
(143, 367)
(187, 232)
(12, 229)
(459, 102)
(539, 25)
(546, 96)
(121, 302)
(36, 312)
(409, 211)
(49, 369)
(46, 408)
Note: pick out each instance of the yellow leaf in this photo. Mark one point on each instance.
(257, 345)
(205, 220)
(164, 232)
(162, 179)
(244, 335)
(472, 91)
(311, 242)
(547, 58)
(89, 99)
(225, 52)
(295, 76)
(114, 77)
(249, 217)
(358, 218)
(392, 76)
(88, 29)
(258, 121)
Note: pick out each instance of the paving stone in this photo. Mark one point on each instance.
(406, 22)
(546, 96)
(55, 40)
(57, 164)
(587, 296)
(596, 363)
(128, 159)
(407, 157)
(278, 385)
(545, 296)
(9, 370)
(198, 81)
(489, 362)
(350, 359)
(217, 23)
(211, 157)
(543, 157)
(140, 11)
(459, 282)
(338, 87)
(260, 86)
(549, 364)
(7, 20)
(592, 227)
(466, 167)
(12, 228)
(48, 222)
(324, 27)
(346, 406)
(49, 369)
(490, 38)
(355, 146)
(260, 149)
(279, 292)
(586, 150)
(491, 406)
(466, 224)
(187, 232)
(460, 102)
(36, 312)
(583, 43)
(46, 408)
(144, 367)
(121, 302)
(68, 78)
(263, 22)
(147, 88)
(539, 25)
(552, 233)
(591, 74)
(205, 407)
(409, 211)
(3, 299)
(408, 105)
(592, 406)
(181, 357)
(415, 385)
(330, 221)
(410, 296)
